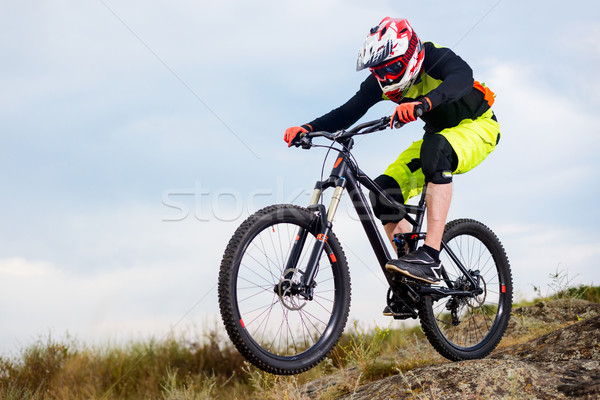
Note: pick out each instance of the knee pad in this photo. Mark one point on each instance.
(438, 159)
(380, 209)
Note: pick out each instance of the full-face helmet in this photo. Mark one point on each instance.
(394, 54)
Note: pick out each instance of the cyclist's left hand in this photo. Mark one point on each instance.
(408, 112)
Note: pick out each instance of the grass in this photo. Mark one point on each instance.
(67, 369)
(209, 367)
(177, 368)
(561, 287)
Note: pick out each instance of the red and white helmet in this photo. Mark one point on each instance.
(394, 54)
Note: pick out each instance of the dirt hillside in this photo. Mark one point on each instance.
(551, 351)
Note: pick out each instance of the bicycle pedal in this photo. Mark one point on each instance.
(399, 312)
(409, 281)
(403, 315)
(416, 282)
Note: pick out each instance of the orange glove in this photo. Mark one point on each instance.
(292, 133)
(408, 112)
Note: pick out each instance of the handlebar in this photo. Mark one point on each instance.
(343, 135)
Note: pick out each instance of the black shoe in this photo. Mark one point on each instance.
(387, 312)
(418, 265)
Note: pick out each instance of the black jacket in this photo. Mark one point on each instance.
(446, 79)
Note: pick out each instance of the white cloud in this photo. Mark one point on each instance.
(117, 304)
(19, 267)
(96, 128)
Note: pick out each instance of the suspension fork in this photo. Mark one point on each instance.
(322, 230)
(301, 236)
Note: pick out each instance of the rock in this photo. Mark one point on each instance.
(476, 379)
(559, 311)
(580, 341)
(563, 363)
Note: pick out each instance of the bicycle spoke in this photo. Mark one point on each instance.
(268, 268)
(255, 285)
(475, 315)
(283, 323)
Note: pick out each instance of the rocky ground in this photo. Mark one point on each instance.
(551, 351)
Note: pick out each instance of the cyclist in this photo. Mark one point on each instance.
(432, 82)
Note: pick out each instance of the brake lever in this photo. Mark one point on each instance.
(301, 141)
(305, 142)
(398, 124)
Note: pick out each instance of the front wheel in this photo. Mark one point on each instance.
(469, 327)
(267, 316)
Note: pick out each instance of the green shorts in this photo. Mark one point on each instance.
(472, 141)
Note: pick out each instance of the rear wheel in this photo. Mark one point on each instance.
(459, 327)
(265, 314)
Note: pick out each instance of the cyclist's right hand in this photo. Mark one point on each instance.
(292, 133)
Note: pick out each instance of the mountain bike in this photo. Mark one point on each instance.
(284, 283)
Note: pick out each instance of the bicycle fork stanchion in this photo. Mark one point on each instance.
(335, 199)
(324, 228)
(301, 238)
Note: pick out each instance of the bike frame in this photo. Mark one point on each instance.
(345, 175)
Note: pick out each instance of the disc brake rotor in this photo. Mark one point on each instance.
(285, 291)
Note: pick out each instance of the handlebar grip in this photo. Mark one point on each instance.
(297, 141)
(302, 140)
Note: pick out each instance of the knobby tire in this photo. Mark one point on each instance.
(479, 322)
(276, 330)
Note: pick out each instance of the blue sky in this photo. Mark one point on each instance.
(135, 136)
